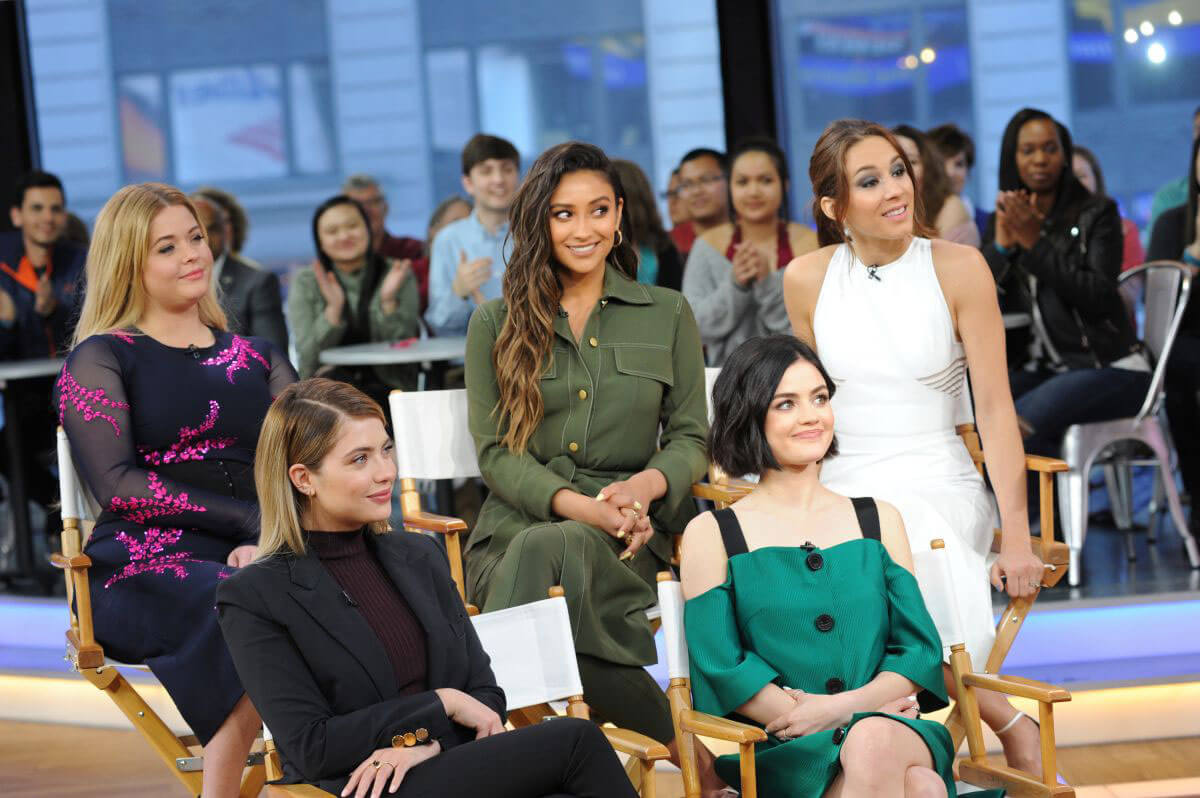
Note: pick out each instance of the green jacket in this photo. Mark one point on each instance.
(312, 333)
(628, 396)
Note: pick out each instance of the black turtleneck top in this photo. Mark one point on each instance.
(365, 582)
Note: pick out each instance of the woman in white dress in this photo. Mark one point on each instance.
(899, 320)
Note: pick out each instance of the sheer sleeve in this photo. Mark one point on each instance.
(725, 674)
(94, 410)
(914, 649)
(282, 372)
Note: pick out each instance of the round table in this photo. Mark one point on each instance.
(12, 371)
(428, 350)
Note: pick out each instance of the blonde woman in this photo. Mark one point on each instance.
(353, 641)
(162, 406)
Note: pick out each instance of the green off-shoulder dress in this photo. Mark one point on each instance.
(817, 620)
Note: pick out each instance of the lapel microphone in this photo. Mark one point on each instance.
(349, 599)
(872, 273)
(194, 351)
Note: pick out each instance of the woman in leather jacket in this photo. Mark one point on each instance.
(1055, 250)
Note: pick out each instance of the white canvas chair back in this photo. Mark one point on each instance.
(77, 500)
(670, 603)
(532, 652)
(710, 379)
(432, 438)
(932, 569)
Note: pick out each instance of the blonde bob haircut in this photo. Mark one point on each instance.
(301, 427)
(115, 298)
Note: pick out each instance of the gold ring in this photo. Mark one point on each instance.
(621, 535)
(637, 505)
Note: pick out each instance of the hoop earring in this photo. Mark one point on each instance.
(619, 239)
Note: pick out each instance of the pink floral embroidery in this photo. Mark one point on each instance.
(140, 509)
(149, 556)
(236, 357)
(189, 446)
(126, 337)
(86, 401)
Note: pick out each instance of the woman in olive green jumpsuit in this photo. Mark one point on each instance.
(587, 406)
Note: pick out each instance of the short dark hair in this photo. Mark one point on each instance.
(706, 152)
(950, 140)
(36, 179)
(483, 147)
(767, 147)
(742, 395)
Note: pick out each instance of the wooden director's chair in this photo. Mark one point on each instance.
(533, 657)
(79, 513)
(933, 572)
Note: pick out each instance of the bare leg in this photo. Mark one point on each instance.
(1022, 746)
(225, 755)
(710, 783)
(877, 758)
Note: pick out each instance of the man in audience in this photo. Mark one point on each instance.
(469, 255)
(1173, 193)
(365, 189)
(250, 296)
(704, 190)
(40, 276)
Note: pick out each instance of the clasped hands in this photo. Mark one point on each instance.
(1018, 220)
(386, 765)
(814, 713)
(622, 510)
(750, 265)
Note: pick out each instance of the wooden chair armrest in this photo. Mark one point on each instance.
(1018, 686)
(720, 728)
(431, 522)
(76, 561)
(638, 746)
(296, 791)
(1045, 465)
(718, 492)
(1051, 553)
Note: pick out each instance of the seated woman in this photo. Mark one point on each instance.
(585, 394)
(353, 642)
(658, 260)
(951, 218)
(769, 580)
(352, 295)
(1055, 250)
(162, 407)
(733, 276)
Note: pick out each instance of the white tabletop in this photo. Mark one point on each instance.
(1013, 320)
(390, 354)
(27, 369)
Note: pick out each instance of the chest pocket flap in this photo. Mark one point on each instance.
(646, 361)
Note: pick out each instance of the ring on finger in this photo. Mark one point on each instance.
(376, 764)
(637, 505)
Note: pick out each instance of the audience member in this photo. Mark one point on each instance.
(351, 295)
(1176, 236)
(958, 156)
(468, 258)
(943, 205)
(239, 222)
(425, 716)
(75, 232)
(732, 279)
(180, 512)
(704, 191)
(364, 189)
(40, 276)
(676, 210)
(448, 210)
(1173, 193)
(899, 321)
(658, 262)
(249, 296)
(1086, 167)
(1055, 250)
(856, 732)
(585, 490)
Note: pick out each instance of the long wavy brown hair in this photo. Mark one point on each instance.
(532, 291)
(827, 172)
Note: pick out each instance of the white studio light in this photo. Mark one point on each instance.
(1131, 36)
(1156, 53)
(1147, 27)
(1174, 17)
(928, 55)
(910, 61)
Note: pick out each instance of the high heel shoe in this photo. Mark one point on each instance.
(1007, 727)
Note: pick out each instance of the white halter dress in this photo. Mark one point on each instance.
(890, 347)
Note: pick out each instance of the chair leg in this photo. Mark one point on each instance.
(1120, 493)
(1159, 446)
(1157, 499)
(1072, 509)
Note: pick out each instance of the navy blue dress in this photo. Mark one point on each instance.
(164, 438)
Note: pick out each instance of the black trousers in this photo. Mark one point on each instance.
(1183, 411)
(37, 420)
(562, 758)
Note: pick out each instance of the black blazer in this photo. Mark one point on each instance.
(252, 300)
(319, 676)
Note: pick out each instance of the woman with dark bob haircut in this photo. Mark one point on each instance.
(847, 725)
